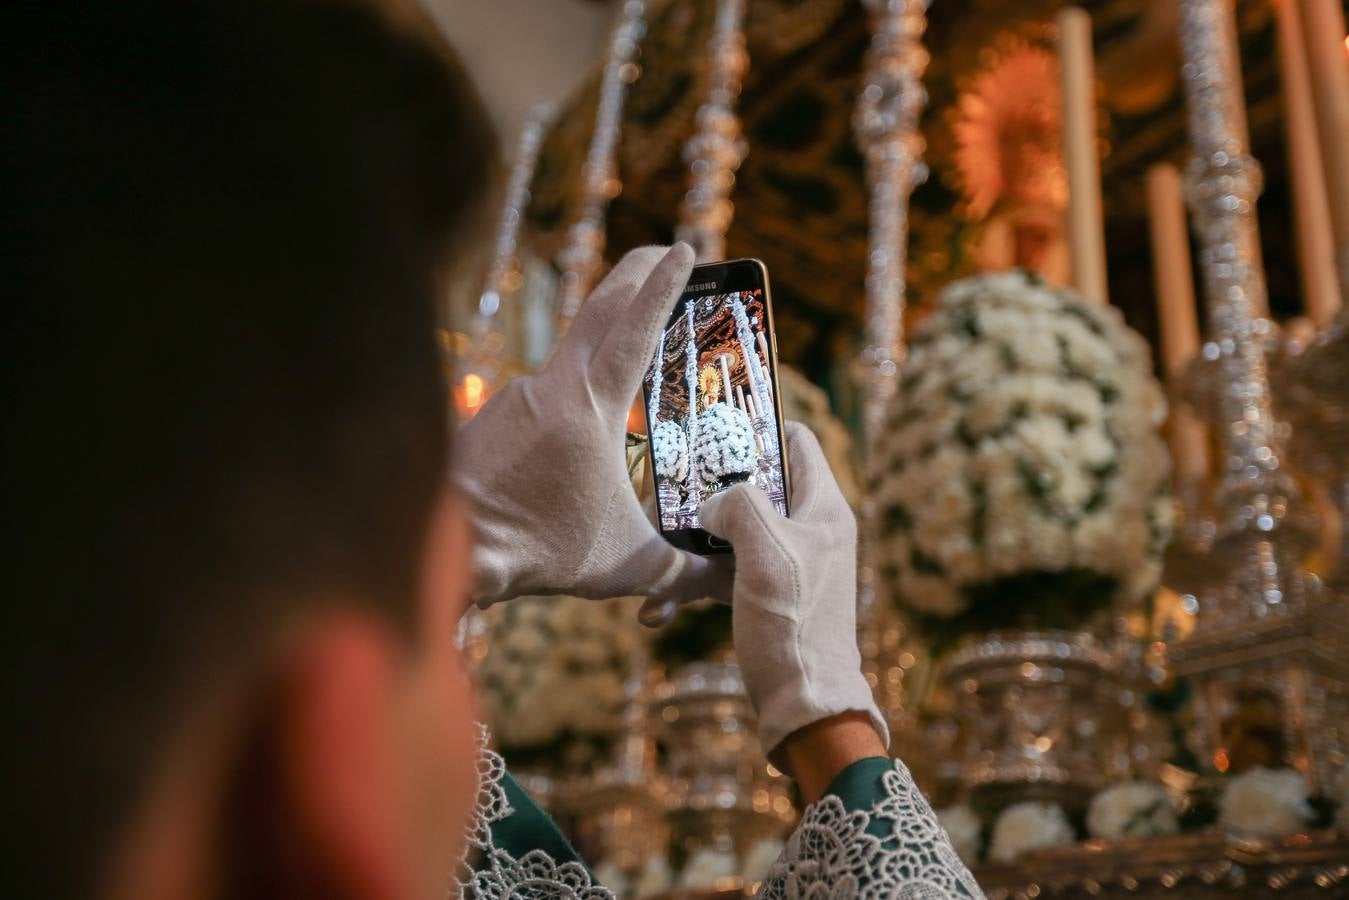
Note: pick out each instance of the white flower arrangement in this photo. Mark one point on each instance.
(655, 878)
(1029, 826)
(760, 859)
(670, 450)
(611, 876)
(706, 867)
(805, 402)
(1024, 441)
(1266, 802)
(723, 444)
(557, 666)
(965, 831)
(1132, 809)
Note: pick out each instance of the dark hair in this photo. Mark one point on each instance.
(229, 222)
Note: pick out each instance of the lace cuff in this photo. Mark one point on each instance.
(513, 848)
(873, 835)
(887, 845)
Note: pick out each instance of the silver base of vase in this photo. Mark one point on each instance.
(1037, 709)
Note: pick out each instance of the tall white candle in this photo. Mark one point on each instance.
(1315, 240)
(1324, 30)
(762, 364)
(724, 360)
(1171, 269)
(1086, 223)
(1176, 311)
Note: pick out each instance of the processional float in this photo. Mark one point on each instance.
(1264, 625)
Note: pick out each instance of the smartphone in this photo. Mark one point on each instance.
(713, 411)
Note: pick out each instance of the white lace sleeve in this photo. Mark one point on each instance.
(831, 854)
(485, 871)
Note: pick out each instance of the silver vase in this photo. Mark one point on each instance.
(1037, 710)
(724, 795)
(619, 808)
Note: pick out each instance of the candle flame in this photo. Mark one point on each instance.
(470, 394)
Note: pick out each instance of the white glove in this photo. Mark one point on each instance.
(795, 606)
(544, 464)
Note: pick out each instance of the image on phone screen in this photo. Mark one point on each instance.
(712, 408)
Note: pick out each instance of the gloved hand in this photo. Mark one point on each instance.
(795, 600)
(543, 462)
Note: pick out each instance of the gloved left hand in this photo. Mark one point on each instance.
(544, 464)
(795, 615)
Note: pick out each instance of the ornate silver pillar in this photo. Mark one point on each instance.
(764, 422)
(715, 152)
(886, 123)
(1222, 183)
(1269, 639)
(503, 273)
(583, 256)
(691, 481)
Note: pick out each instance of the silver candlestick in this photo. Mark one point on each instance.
(715, 152)
(1223, 180)
(886, 124)
(1270, 640)
(583, 255)
(503, 274)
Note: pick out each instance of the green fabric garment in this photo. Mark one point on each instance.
(870, 850)
(529, 828)
(859, 787)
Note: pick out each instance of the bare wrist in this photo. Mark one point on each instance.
(816, 754)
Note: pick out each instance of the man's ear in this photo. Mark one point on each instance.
(331, 826)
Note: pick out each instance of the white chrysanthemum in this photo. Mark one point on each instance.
(611, 876)
(1340, 794)
(723, 444)
(1024, 441)
(655, 878)
(589, 651)
(964, 829)
(1029, 826)
(1132, 809)
(805, 402)
(706, 867)
(760, 859)
(529, 722)
(556, 665)
(670, 451)
(977, 367)
(1266, 802)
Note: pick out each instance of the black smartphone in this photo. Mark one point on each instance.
(713, 413)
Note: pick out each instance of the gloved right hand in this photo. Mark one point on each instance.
(544, 466)
(795, 596)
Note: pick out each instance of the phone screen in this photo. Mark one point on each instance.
(711, 400)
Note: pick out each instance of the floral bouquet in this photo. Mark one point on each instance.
(723, 445)
(670, 451)
(552, 683)
(1264, 801)
(1023, 477)
(1029, 826)
(805, 402)
(1132, 809)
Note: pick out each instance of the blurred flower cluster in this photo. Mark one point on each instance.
(556, 668)
(1024, 440)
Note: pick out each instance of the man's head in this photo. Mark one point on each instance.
(230, 221)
